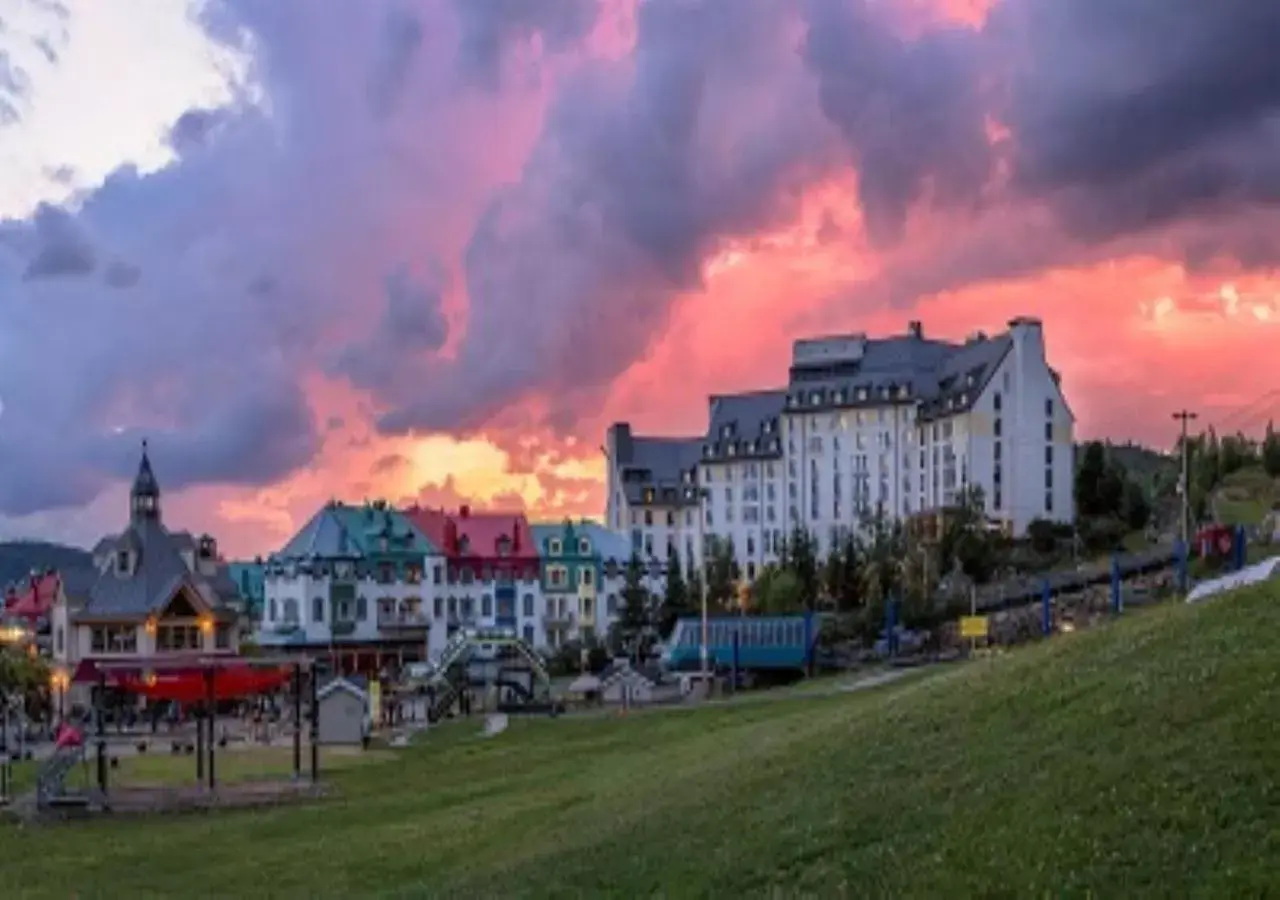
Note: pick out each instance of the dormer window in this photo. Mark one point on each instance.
(648, 495)
(706, 449)
(122, 562)
(904, 391)
(815, 398)
(553, 546)
(726, 431)
(584, 547)
(862, 393)
(732, 450)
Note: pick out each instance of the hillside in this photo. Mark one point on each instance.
(1154, 470)
(1120, 761)
(19, 558)
(1245, 497)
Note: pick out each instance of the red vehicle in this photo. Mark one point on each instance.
(1215, 541)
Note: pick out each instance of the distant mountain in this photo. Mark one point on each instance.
(19, 558)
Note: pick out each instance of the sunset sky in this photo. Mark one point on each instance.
(432, 248)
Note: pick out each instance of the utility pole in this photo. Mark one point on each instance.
(1185, 417)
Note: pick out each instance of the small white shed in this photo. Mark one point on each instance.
(344, 712)
(626, 686)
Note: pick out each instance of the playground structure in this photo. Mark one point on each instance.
(200, 683)
(508, 670)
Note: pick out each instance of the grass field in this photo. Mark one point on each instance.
(1246, 497)
(1140, 758)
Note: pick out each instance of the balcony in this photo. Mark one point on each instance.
(552, 619)
(286, 627)
(393, 620)
(342, 628)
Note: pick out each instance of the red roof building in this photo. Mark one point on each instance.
(32, 599)
(485, 552)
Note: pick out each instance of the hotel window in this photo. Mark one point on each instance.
(556, 576)
(436, 574)
(222, 637)
(317, 609)
(1048, 455)
(528, 634)
(1048, 431)
(1048, 501)
(996, 402)
(528, 606)
(1048, 408)
(486, 606)
(554, 546)
(999, 426)
(648, 517)
(437, 606)
(585, 577)
(362, 609)
(271, 610)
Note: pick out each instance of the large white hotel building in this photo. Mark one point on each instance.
(901, 423)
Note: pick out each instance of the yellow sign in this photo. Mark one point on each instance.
(973, 627)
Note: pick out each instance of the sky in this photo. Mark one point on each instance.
(430, 249)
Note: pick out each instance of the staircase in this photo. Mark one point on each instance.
(52, 778)
(447, 690)
(459, 644)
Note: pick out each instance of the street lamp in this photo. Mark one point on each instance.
(59, 680)
(702, 494)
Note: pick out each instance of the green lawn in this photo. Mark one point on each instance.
(1246, 497)
(1137, 759)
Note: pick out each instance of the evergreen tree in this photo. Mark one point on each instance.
(722, 573)
(802, 559)
(676, 601)
(1090, 473)
(1271, 452)
(634, 624)
(1137, 509)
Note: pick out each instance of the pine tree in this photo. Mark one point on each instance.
(676, 600)
(802, 559)
(634, 625)
(1271, 452)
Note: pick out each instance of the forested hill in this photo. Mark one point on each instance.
(19, 558)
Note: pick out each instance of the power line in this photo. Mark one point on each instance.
(1185, 417)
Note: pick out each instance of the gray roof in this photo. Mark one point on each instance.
(78, 583)
(659, 464)
(324, 536)
(157, 574)
(749, 421)
(943, 377)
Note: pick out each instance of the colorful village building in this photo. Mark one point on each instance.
(488, 576)
(583, 573)
(153, 593)
(355, 585)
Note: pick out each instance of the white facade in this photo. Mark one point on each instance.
(902, 424)
(296, 606)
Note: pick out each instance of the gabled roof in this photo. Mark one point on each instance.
(606, 543)
(355, 685)
(157, 574)
(325, 536)
(468, 533)
(751, 420)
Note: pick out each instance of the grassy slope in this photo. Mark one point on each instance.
(1124, 760)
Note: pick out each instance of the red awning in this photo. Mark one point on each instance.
(192, 685)
(188, 684)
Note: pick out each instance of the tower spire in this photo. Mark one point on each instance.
(144, 498)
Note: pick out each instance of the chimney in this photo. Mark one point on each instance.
(450, 537)
(915, 329)
(463, 511)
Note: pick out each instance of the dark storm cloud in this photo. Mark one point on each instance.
(642, 169)
(911, 111)
(1143, 111)
(402, 38)
(1126, 118)
(412, 325)
(490, 27)
(60, 248)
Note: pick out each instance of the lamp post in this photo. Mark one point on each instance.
(702, 494)
(60, 681)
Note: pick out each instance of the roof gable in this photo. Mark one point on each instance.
(156, 574)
